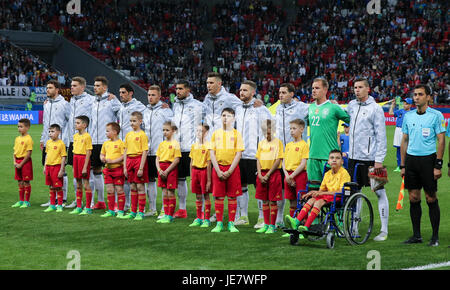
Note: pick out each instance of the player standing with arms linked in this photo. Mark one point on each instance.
(56, 111)
(248, 123)
(287, 111)
(368, 145)
(188, 114)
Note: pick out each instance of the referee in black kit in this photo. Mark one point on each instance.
(421, 165)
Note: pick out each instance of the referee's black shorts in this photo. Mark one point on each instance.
(248, 170)
(419, 173)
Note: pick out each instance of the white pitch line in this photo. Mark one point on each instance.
(429, 266)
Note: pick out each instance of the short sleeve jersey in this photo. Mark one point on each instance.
(55, 151)
(136, 143)
(334, 182)
(82, 143)
(422, 131)
(22, 144)
(226, 143)
(113, 150)
(168, 150)
(294, 153)
(199, 155)
(269, 152)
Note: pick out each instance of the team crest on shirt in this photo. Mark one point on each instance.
(203, 151)
(325, 112)
(54, 148)
(22, 143)
(297, 148)
(137, 138)
(170, 146)
(115, 146)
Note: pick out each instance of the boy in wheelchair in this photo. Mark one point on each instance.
(333, 182)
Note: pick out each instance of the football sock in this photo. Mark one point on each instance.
(79, 194)
(415, 211)
(280, 205)
(152, 193)
(21, 193)
(260, 209)
(435, 217)
(292, 210)
(92, 181)
(60, 195)
(399, 157)
(134, 201)
(198, 206)
(172, 205)
(232, 206)
(27, 192)
(65, 186)
(99, 186)
(218, 207)
(88, 198)
(266, 213)
(121, 200)
(207, 211)
(166, 205)
(304, 212)
(383, 209)
(182, 193)
(312, 216)
(111, 201)
(142, 200)
(242, 202)
(273, 213)
(52, 197)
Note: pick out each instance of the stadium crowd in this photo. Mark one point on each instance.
(19, 67)
(160, 43)
(339, 40)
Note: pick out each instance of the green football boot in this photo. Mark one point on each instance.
(76, 210)
(50, 208)
(263, 229)
(218, 228)
(17, 204)
(197, 222)
(232, 228)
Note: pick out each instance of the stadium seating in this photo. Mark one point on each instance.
(18, 67)
(160, 42)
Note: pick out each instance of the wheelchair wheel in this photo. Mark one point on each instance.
(293, 239)
(331, 238)
(358, 219)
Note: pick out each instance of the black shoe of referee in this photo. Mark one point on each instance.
(434, 242)
(413, 240)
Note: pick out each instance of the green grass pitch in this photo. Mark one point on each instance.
(31, 239)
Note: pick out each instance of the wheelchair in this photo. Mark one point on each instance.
(351, 218)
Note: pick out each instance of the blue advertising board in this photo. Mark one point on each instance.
(12, 117)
